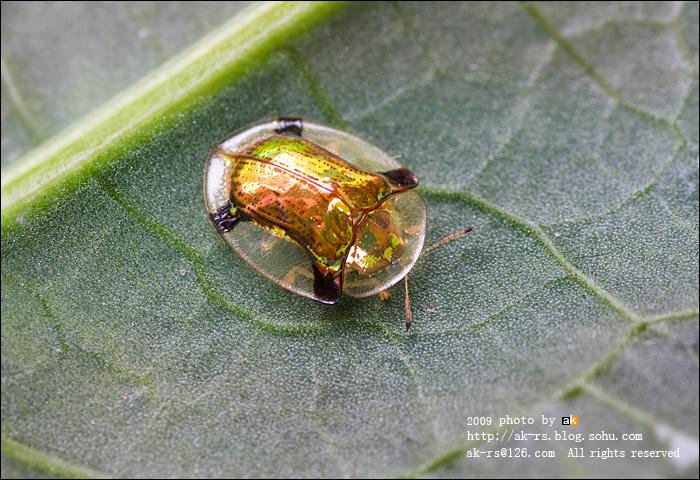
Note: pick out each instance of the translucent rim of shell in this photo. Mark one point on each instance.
(319, 134)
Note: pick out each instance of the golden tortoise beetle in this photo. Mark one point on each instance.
(318, 211)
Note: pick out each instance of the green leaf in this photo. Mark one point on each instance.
(135, 342)
(126, 41)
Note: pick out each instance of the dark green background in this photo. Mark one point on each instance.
(135, 343)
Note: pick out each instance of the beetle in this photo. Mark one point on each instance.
(318, 211)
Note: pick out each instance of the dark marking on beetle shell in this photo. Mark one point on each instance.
(401, 179)
(327, 286)
(225, 220)
(290, 126)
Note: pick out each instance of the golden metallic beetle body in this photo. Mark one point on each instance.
(300, 191)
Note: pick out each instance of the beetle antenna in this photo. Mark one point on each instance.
(448, 239)
(407, 304)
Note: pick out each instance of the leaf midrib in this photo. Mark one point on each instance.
(98, 137)
(534, 231)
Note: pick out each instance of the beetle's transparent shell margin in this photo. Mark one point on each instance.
(286, 263)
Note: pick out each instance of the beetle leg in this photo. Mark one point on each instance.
(327, 285)
(297, 270)
(225, 220)
(290, 126)
(407, 297)
(385, 295)
(407, 304)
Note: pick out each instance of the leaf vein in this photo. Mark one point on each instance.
(161, 233)
(143, 379)
(594, 75)
(536, 233)
(17, 103)
(46, 462)
(573, 389)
